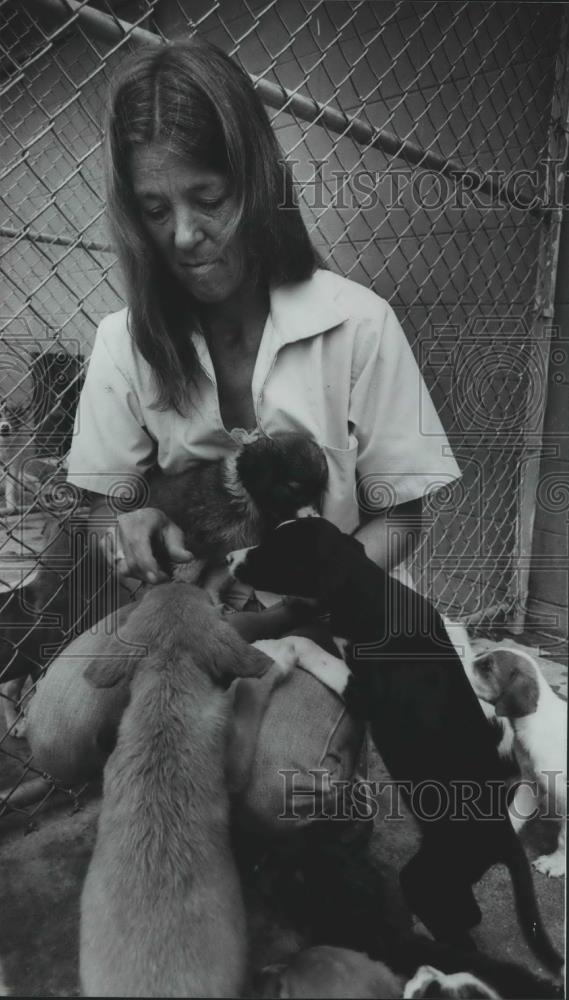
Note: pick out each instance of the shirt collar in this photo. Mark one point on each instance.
(298, 311)
(306, 308)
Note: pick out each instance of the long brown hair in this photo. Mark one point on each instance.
(192, 97)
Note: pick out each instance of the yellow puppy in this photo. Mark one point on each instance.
(161, 912)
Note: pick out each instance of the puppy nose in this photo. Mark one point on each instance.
(235, 559)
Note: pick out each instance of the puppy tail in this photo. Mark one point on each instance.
(527, 908)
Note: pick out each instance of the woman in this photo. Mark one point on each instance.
(231, 326)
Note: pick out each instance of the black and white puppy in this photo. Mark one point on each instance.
(233, 501)
(425, 720)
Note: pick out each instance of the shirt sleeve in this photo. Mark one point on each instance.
(111, 448)
(403, 451)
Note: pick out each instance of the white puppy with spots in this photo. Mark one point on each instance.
(460, 639)
(511, 680)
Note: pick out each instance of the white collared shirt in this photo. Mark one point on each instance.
(333, 362)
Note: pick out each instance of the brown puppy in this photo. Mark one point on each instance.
(230, 502)
(329, 972)
(224, 504)
(161, 911)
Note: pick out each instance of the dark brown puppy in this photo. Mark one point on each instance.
(231, 502)
(425, 719)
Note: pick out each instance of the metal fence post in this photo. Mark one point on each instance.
(553, 219)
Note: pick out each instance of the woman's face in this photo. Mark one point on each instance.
(185, 209)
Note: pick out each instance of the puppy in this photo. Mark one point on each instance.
(161, 910)
(501, 728)
(32, 623)
(231, 502)
(323, 971)
(341, 973)
(512, 682)
(16, 447)
(67, 593)
(429, 982)
(14, 696)
(425, 721)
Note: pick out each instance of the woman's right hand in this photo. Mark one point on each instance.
(147, 542)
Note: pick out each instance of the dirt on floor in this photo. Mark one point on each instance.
(43, 864)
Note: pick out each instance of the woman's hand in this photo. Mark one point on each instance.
(145, 543)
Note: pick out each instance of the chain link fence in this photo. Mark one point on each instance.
(427, 142)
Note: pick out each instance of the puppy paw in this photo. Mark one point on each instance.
(552, 865)
(282, 652)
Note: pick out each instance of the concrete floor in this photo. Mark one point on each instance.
(41, 874)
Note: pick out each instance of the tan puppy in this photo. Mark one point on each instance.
(324, 971)
(511, 680)
(429, 982)
(162, 912)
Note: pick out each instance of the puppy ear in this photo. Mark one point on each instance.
(519, 698)
(106, 673)
(250, 701)
(242, 659)
(228, 656)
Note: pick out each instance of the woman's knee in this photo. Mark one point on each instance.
(307, 754)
